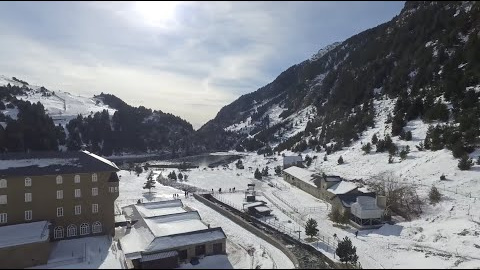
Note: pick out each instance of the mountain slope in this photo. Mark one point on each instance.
(425, 54)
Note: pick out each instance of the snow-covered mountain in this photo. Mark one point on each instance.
(426, 57)
(61, 106)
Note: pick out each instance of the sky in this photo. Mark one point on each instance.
(185, 58)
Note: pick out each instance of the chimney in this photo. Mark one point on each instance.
(381, 201)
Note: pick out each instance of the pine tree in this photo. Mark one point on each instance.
(408, 136)
(257, 174)
(374, 139)
(150, 182)
(180, 176)
(465, 163)
(434, 195)
(311, 228)
(325, 158)
(346, 251)
(340, 160)
(390, 159)
(367, 148)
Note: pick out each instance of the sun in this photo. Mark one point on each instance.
(157, 13)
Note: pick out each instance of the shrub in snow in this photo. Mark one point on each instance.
(367, 148)
(325, 158)
(434, 195)
(465, 163)
(442, 177)
(340, 160)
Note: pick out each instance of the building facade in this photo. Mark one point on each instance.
(74, 191)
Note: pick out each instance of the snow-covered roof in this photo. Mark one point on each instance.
(160, 208)
(366, 208)
(53, 163)
(175, 224)
(25, 233)
(253, 204)
(262, 209)
(192, 238)
(342, 187)
(302, 174)
(120, 218)
(158, 256)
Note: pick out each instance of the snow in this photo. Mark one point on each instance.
(26, 233)
(70, 254)
(174, 241)
(18, 163)
(149, 211)
(12, 113)
(210, 262)
(302, 174)
(342, 187)
(101, 159)
(175, 224)
(239, 240)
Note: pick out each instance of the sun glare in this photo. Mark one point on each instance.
(156, 13)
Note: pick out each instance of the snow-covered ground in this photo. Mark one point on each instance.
(239, 240)
(83, 253)
(446, 235)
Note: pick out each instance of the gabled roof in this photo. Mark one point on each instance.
(302, 174)
(342, 187)
(349, 199)
(53, 163)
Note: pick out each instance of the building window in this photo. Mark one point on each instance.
(199, 250)
(3, 199)
(182, 254)
(59, 180)
(218, 248)
(84, 229)
(78, 209)
(111, 189)
(94, 208)
(94, 177)
(71, 230)
(28, 182)
(78, 193)
(58, 232)
(94, 191)
(3, 183)
(28, 197)
(77, 179)
(115, 189)
(28, 215)
(97, 227)
(59, 194)
(3, 217)
(59, 211)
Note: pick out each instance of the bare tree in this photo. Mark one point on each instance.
(402, 197)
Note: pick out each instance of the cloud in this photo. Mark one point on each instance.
(191, 65)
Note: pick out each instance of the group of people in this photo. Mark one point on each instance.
(229, 190)
(185, 193)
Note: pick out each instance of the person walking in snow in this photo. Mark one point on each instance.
(356, 234)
